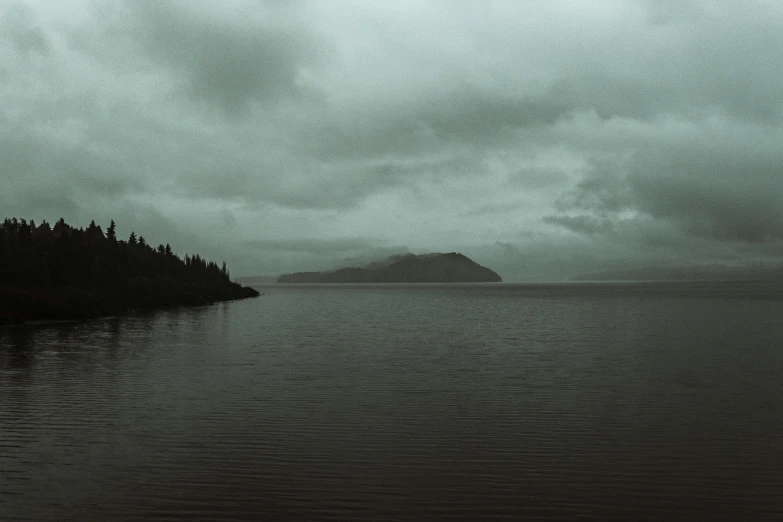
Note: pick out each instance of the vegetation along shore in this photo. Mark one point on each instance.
(63, 272)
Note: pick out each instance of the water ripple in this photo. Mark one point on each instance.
(476, 402)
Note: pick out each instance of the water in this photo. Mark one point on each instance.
(395, 402)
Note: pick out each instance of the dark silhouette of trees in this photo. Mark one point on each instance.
(111, 232)
(31, 254)
(115, 274)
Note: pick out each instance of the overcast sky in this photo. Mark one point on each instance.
(541, 138)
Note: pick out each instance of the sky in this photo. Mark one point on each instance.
(543, 139)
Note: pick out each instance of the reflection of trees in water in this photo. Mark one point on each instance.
(17, 350)
(224, 318)
(81, 342)
(68, 349)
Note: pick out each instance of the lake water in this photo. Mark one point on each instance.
(397, 402)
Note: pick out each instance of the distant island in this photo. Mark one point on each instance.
(61, 272)
(407, 268)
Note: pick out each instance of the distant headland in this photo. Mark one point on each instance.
(61, 272)
(407, 268)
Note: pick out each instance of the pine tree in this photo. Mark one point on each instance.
(111, 232)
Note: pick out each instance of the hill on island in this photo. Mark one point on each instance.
(61, 272)
(406, 268)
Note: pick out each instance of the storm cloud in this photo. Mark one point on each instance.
(543, 139)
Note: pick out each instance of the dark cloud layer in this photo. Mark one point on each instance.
(542, 138)
(226, 58)
(19, 28)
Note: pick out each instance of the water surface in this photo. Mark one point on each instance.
(404, 402)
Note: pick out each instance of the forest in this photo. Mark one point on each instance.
(61, 271)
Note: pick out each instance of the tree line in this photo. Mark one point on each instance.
(46, 255)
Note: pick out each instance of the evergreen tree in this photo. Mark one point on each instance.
(111, 232)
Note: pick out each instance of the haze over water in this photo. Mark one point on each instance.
(634, 401)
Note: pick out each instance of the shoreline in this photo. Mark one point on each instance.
(21, 305)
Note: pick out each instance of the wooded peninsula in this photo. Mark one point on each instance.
(63, 272)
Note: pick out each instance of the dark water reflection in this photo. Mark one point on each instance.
(559, 402)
